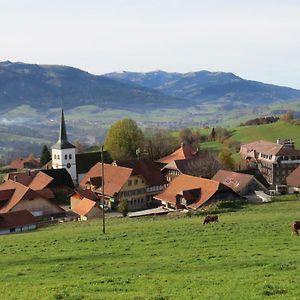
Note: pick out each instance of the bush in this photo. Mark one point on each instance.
(123, 208)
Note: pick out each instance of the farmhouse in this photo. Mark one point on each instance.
(153, 178)
(194, 192)
(18, 221)
(87, 209)
(15, 196)
(275, 161)
(242, 184)
(120, 184)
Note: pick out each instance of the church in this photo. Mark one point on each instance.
(64, 155)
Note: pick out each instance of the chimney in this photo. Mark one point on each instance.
(28, 172)
(278, 141)
(16, 178)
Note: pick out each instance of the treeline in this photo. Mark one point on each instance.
(260, 121)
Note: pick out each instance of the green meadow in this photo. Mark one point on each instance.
(249, 254)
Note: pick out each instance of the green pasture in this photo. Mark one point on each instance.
(249, 254)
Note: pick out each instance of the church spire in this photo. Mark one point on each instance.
(63, 131)
(63, 142)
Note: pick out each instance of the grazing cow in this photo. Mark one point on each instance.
(295, 227)
(209, 219)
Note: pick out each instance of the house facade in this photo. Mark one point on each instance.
(275, 161)
(120, 184)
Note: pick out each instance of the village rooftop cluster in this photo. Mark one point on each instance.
(79, 187)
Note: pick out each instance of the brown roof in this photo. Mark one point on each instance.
(40, 181)
(269, 148)
(114, 177)
(24, 163)
(85, 193)
(24, 178)
(294, 178)
(263, 147)
(236, 181)
(84, 206)
(185, 183)
(21, 192)
(186, 151)
(146, 168)
(16, 219)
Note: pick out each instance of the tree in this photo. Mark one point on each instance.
(80, 148)
(205, 165)
(187, 136)
(288, 116)
(226, 159)
(123, 208)
(123, 139)
(213, 134)
(159, 142)
(45, 156)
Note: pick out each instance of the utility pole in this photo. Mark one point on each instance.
(102, 167)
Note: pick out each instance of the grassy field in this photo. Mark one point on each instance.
(249, 254)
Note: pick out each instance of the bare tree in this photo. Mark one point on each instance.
(158, 142)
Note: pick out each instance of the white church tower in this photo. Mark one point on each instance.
(63, 152)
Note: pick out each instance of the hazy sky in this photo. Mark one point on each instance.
(257, 39)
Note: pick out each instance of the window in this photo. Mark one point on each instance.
(54, 156)
(66, 156)
(136, 181)
(57, 156)
(70, 156)
(129, 182)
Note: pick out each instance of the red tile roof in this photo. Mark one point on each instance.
(146, 168)
(16, 219)
(294, 178)
(84, 207)
(23, 163)
(186, 183)
(114, 177)
(20, 192)
(186, 151)
(85, 193)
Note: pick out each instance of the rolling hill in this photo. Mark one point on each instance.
(44, 86)
(206, 86)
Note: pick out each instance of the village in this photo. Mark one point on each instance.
(80, 187)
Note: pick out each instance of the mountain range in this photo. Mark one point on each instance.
(206, 86)
(45, 86)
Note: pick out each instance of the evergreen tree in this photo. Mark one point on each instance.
(213, 134)
(45, 156)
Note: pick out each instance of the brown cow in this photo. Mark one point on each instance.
(295, 227)
(209, 219)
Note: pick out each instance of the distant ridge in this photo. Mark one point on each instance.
(208, 86)
(43, 86)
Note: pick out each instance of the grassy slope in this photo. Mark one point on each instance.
(249, 254)
(247, 134)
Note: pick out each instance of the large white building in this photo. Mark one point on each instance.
(63, 152)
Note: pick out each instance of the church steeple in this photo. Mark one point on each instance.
(63, 142)
(63, 152)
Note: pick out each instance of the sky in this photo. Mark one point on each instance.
(257, 39)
